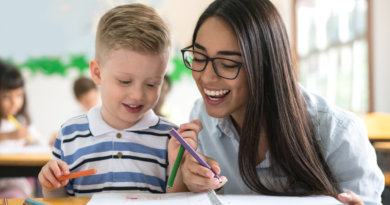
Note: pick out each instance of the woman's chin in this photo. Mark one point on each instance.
(216, 113)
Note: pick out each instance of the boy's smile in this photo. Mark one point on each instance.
(133, 108)
(130, 84)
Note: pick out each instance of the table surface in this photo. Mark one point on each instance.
(379, 137)
(54, 201)
(378, 126)
(385, 146)
(24, 159)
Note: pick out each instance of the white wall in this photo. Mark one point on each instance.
(51, 100)
(381, 54)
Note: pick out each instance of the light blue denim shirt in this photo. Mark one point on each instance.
(342, 135)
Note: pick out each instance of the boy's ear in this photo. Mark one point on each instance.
(95, 69)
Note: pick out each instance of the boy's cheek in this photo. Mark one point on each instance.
(154, 96)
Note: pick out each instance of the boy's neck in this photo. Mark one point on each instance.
(115, 122)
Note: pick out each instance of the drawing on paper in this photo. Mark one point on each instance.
(135, 197)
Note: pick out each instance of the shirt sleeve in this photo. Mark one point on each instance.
(353, 160)
(57, 148)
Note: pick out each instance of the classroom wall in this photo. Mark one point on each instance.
(381, 54)
(51, 100)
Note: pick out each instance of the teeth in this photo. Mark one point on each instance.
(211, 98)
(134, 106)
(216, 93)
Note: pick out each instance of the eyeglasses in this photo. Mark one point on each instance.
(223, 67)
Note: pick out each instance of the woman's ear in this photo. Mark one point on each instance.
(95, 69)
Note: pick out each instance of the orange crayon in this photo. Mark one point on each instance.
(77, 174)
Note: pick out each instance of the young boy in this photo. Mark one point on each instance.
(86, 93)
(123, 139)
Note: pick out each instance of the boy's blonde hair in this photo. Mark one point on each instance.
(134, 26)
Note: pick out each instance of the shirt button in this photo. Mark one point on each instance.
(119, 154)
(119, 135)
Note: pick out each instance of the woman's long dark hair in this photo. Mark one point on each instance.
(10, 79)
(275, 106)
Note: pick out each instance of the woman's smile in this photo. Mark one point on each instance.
(215, 96)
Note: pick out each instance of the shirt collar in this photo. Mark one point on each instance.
(225, 125)
(98, 126)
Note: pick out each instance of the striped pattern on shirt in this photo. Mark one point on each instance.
(126, 160)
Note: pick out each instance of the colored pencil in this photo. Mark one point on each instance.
(176, 166)
(18, 126)
(32, 202)
(78, 174)
(191, 151)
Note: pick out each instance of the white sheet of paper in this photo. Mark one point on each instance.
(147, 198)
(30, 149)
(202, 199)
(265, 200)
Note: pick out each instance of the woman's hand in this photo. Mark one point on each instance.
(199, 178)
(351, 198)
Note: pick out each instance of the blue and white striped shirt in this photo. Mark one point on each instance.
(134, 159)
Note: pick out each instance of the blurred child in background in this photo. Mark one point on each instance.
(15, 128)
(86, 93)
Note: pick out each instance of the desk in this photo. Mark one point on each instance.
(378, 126)
(54, 201)
(22, 165)
(383, 146)
(378, 137)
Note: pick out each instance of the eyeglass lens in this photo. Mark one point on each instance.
(225, 68)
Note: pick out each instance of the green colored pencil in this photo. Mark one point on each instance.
(176, 166)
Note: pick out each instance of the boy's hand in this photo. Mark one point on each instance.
(19, 134)
(49, 173)
(189, 132)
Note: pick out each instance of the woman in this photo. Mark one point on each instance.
(261, 129)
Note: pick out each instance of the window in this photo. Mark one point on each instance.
(333, 51)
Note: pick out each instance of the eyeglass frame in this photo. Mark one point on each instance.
(212, 62)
